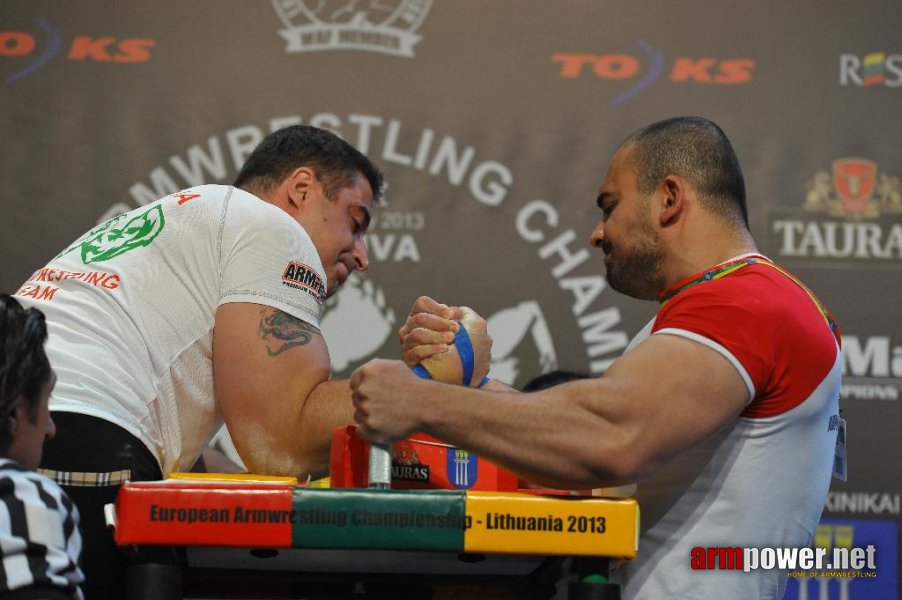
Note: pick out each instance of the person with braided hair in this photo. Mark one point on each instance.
(40, 542)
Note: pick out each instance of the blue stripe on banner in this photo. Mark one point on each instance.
(465, 350)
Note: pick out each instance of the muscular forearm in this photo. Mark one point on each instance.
(546, 437)
(294, 434)
(328, 406)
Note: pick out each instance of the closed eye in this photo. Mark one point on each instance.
(360, 220)
(606, 202)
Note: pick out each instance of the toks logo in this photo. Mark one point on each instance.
(730, 71)
(869, 204)
(35, 49)
(385, 26)
(876, 68)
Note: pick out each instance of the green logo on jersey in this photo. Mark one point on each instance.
(119, 235)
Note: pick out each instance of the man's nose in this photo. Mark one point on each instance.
(596, 239)
(361, 258)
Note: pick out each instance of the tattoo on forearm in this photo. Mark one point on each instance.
(280, 331)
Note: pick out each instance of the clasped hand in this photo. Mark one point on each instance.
(387, 395)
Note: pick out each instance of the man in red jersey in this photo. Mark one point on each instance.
(724, 408)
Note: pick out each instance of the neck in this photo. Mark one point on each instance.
(688, 259)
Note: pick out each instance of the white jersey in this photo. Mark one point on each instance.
(762, 481)
(130, 308)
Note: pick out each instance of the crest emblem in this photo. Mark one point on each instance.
(119, 235)
(855, 189)
(462, 468)
(855, 180)
(404, 454)
(383, 26)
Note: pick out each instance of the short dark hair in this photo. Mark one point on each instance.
(24, 366)
(698, 150)
(335, 162)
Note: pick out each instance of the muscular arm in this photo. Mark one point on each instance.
(659, 399)
(271, 374)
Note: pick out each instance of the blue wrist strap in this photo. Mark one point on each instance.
(465, 350)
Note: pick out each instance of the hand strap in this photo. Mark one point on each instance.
(467, 357)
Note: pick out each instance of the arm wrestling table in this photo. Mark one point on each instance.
(246, 536)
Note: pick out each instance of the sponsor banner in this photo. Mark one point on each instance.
(873, 69)
(642, 68)
(279, 515)
(28, 45)
(870, 540)
(863, 503)
(795, 560)
(850, 215)
(872, 368)
(406, 465)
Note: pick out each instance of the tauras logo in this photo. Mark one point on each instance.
(406, 465)
(872, 368)
(853, 213)
(415, 472)
(385, 26)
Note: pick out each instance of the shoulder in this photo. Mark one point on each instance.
(12, 472)
(247, 215)
(36, 502)
(29, 486)
(248, 204)
(39, 532)
(754, 292)
(228, 200)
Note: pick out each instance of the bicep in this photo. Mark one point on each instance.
(265, 364)
(675, 392)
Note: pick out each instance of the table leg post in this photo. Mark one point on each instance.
(592, 580)
(154, 581)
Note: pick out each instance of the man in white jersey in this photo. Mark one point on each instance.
(724, 409)
(39, 538)
(199, 308)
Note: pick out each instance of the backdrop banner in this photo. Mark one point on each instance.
(493, 122)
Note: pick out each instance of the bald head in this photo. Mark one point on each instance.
(698, 150)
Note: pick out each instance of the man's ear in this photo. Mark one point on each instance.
(15, 416)
(673, 201)
(297, 184)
